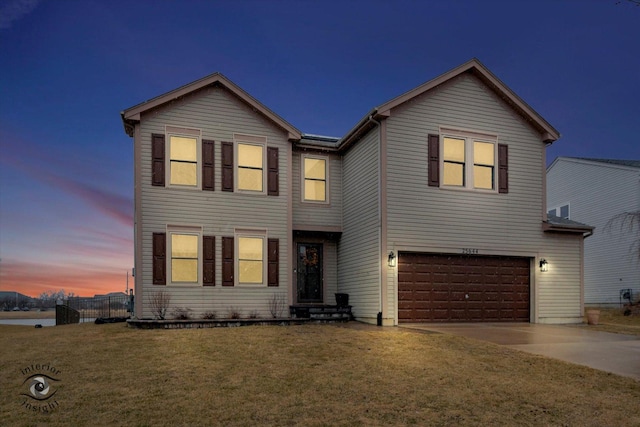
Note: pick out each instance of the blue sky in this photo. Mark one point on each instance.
(70, 66)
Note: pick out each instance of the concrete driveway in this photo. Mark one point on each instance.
(615, 353)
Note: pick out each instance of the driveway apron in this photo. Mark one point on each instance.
(615, 353)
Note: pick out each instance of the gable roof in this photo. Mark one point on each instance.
(630, 163)
(603, 162)
(548, 132)
(131, 116)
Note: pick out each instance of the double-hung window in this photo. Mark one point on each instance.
(251, 250)
(183, 152)
(469, 161)
(315, 178)
(185, 254)
(251, 159)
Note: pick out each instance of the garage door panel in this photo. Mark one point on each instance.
(455, 288)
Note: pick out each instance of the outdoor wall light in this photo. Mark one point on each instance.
(393, 261)
(544, 265)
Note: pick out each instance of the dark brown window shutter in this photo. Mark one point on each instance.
(273, 260)
(503, 168)
(208, 260)
(434, 160)
(227, 166)
(208, 158)
(157, 159)
(272, 165)
(227, 261)
(159, 259)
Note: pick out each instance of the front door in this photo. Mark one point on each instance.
(310, 272)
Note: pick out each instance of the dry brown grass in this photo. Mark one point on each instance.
(301, 375)
(31, 314)
(613, 320)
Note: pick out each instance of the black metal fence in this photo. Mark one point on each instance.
(81, 309)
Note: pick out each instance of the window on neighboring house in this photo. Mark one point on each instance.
(460, 151)
(251, 250)
(560, 211)
(315, 179)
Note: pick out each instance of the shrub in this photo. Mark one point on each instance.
(209, 315)
(181, 313)
(233, 313)
(253, 314)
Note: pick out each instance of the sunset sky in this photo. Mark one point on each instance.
(68, 67)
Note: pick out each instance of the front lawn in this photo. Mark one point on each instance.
(298, 375)
(614, 320)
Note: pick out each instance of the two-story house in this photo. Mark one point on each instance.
(599, 192)
(431, 208)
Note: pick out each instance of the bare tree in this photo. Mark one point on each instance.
(159, 302)
(627, 223)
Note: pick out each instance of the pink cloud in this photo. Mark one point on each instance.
(31, 278)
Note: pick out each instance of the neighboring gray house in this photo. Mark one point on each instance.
(593, 191)
(431, 208)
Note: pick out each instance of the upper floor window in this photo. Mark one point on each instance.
(250, 167)
(469, 161)
(183, 163)
(180, 158)
(315, 178)
(251, 159)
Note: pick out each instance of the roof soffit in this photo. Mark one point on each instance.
(132, 115)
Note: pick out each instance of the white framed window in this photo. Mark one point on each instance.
(184, 164)
(184, 255)
(469, 160)
(315, 178)
(251, 250)
(250, 158)
(560, 211)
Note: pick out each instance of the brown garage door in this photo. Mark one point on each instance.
(461, 288)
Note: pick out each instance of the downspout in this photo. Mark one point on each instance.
(380, 248)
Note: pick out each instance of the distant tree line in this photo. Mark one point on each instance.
(47, 299)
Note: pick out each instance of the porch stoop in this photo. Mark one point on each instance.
(321, 312)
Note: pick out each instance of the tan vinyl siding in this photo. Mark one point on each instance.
(432, 219)
(422, 215)
(330, 272)
(359, 267)
(558, 292)
(218, 114)
(318, 214)
(596, 192)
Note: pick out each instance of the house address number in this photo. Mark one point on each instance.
(469, 251)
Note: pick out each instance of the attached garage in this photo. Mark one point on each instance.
(462, 288)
